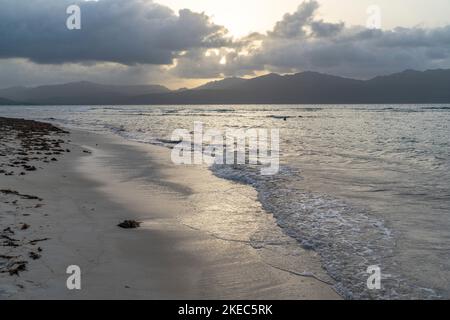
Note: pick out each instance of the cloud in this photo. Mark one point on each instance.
(301, 41)
(136, 41)
(123, 31)
(359, 52)
(22, 72)
(322, 29)
(302, 24)
(292, 25)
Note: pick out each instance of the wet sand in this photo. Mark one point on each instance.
(177, 253)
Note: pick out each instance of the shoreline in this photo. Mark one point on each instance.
(184, 249)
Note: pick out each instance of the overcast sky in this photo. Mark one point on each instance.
(187, 42)
(260, 15)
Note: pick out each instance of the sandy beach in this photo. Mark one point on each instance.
(66, 213)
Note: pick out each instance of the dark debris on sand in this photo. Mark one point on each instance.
(23, 196)
(14, 245)
(130, 224)
(24, 143)
(15, 267)
(17, 244)
(34, 255)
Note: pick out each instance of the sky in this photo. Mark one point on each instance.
(406, 13)
(184, 43)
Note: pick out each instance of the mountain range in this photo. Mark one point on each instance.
(410, 86)
(6, 102)
(78, 93)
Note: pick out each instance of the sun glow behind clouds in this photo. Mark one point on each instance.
(242, 17)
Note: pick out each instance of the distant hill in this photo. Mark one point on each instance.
(7, 102)
(410, 86)
(222, 84)
(79, 93)
(431, 86)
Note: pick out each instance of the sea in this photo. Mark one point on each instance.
(361, 185)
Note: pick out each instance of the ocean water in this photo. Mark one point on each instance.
(361, 185)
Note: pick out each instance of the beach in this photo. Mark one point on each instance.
(66, 212)
(285, 150)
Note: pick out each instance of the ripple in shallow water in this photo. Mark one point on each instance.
(348, 239)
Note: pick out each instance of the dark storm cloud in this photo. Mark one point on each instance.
(146, 37)
(302, 24)
(123, 31)
(312, 44)
(322, 29)
(301, 41)
(359, 52)
(292, 25)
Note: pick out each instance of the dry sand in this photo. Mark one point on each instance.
(194, 242)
